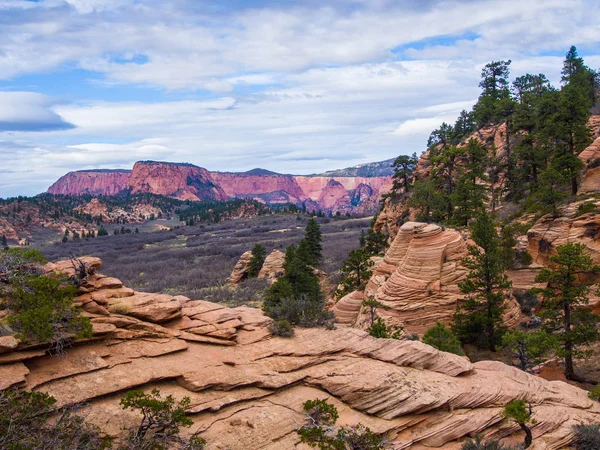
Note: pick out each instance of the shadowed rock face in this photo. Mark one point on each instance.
(189, 182)
(247, 388)
(182, 181)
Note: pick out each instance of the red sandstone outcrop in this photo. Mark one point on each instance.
(182, 181)
(189, 182)
(247, 392)
(240, 270)
(272, 268)
(241, 185)
(549, 232)
(95, 182)
(417, 281)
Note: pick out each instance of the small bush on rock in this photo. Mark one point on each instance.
(160, 424)
(320, 433)
(443, 339)
(28, 421)
(281, 328)
(478, 444)
(587, 437)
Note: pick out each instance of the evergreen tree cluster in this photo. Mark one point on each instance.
(296, 297)
(546, 128)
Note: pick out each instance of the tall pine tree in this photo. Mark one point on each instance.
(478, 319)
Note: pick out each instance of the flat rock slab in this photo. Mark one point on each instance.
(12, 375)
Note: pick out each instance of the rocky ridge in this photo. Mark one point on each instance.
(189, 182)
(247, 389)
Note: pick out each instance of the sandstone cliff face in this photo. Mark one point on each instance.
(417, 281)
(94, 182)
(182, 181)
(240, 185)
(247, 389)
(189, 182)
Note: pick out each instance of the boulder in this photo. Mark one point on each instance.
(240, 271)
(8, 344)
(272, 268)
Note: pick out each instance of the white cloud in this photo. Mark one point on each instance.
(296, 86)
(28, 111)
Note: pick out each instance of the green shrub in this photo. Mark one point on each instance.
(443, 339)
(259, 254)
(382, 331)
(321, 412)
(28, 421)
(281, 328)
(42, 310)
(160, 424)
(587, 207)
(319, 433)
(478, 444)
(587, 437)
(594, 394)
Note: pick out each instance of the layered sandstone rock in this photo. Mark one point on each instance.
(247, 393)
(188, 182)
(182, 181)
(94, 182)
(569, 226)
(240, 270)
(417, 281)
(272, 268)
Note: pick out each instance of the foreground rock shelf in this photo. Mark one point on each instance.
(247, 388)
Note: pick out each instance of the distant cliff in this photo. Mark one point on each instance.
(94, 182)
(352, 194)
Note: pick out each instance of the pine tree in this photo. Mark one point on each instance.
(469, 195)
(259, 253)
(520, 413)
(356, 270)
(443, 339)
(313, 238)
(494, 103)
(479, 318)
(404, 167)
(565, 302)
(4, 243)
(296, 296)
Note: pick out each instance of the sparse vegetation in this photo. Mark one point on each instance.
(320, 432)
(29, 420)
(443, 339)
(587, 437)
(566, 313)
(281, 328)
(520, 413)
(40, 306)
(161, 421)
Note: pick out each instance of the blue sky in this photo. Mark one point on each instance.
(294, 87)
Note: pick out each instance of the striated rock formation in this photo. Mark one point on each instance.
(247, 389)
(240, 270)
(549, 232)
(417, 281)
(272, 268)
(182, 181)
(359, 194)
(95, 182)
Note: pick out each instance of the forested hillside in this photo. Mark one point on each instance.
(516, 151)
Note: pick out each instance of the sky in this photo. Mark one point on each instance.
(290, 86)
